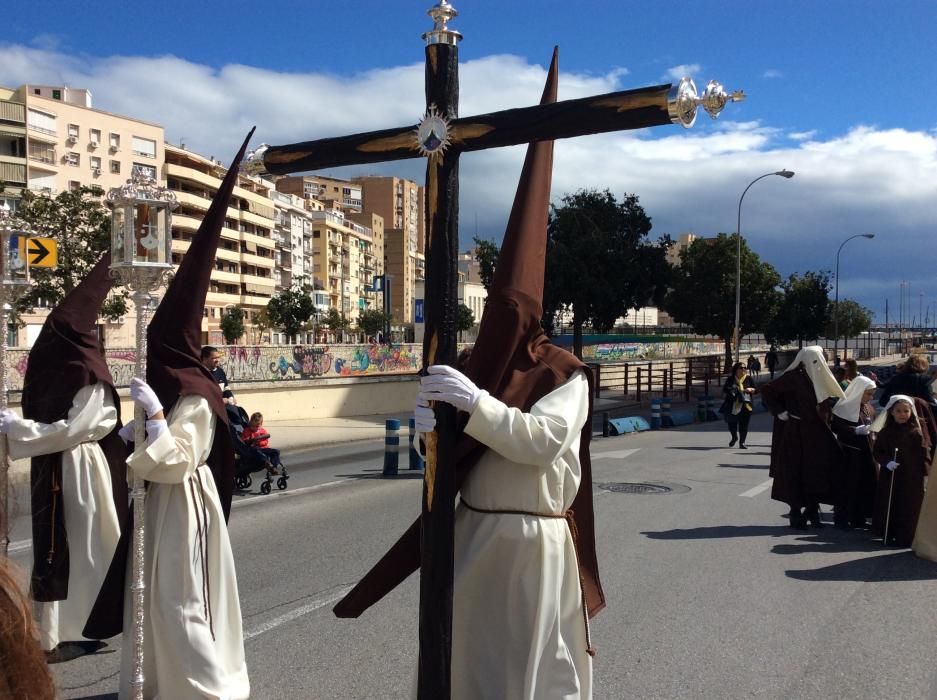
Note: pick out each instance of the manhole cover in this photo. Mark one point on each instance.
(642, 488)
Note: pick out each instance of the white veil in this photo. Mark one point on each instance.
(849, 408)
(824, 383)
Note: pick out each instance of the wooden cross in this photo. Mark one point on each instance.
(441, 137)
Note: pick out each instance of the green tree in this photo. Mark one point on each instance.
(336, 321)
(232, 324)
(464, 319)
(372, 321)
(803, 311)
(486, 253)
(702, 291)
(599, 261)
(290, 309)
(80, 224)
(853, 319)
(262, 322)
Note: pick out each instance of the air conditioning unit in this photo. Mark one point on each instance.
(95, 171)
(116, 321)
(72, 138)
(93, 145)
(114, 149)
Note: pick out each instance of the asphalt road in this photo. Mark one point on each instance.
(710, 594)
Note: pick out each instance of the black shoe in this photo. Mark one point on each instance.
(732, 442)
(742, 447)
(798, 522)
(812, 515)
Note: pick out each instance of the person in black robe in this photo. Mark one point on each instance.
(805, 457)
(852, 419)
(902, 454)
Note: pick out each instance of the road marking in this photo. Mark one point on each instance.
(761, 488)
(20, 546)
(617, 454)
(309, 607)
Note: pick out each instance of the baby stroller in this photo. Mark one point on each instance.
(248, 459)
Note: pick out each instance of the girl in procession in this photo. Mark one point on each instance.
(852, 423)
(902, 455)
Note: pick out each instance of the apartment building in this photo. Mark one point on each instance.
(400, 203)
(68, 143)
(334, 193)
(246, 257)
(12, 148)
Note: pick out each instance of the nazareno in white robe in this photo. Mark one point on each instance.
(518, 625)
(193, 643)
(87, 499)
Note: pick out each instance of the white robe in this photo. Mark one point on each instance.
(518, 627)
(87, 501)
(193, 644)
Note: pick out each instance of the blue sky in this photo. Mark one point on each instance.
(840, 92)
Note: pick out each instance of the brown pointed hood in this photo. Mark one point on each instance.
(174, 366)
(515, 362)
(68, 344)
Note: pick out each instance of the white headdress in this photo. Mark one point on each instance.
(849, 408)
(880, 419)
(824, 383)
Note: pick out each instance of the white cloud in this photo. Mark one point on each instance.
(684, 69)
(772, 73)
(865, 180)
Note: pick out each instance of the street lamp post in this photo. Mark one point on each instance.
(738, 257)
(836, 302)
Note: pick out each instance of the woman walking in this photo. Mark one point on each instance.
(737, 406)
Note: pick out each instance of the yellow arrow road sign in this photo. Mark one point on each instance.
(39, 252)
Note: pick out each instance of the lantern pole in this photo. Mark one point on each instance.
(141, 260)
(14, 281)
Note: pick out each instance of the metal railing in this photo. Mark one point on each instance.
(642, 379)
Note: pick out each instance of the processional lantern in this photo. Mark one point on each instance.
(141, 260)
(14, 282)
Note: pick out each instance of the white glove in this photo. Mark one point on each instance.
(155, 428)
(443, 383)
(141, 392)
(891, 466)
(425, 418)
(783, 415)
(863, 429)
(7, 419)
(127, 432)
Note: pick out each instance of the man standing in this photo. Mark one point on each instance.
(771, 361)
(211, 358)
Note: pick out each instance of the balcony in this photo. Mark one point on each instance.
(13, 113)
(12, 172)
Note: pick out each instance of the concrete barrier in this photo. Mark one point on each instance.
(631, 424)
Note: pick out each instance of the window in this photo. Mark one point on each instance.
(73, 132)
(144, 147)
(74, 185)
(115, 167)
(40, 121)
(56, 94)
(115, 141)
(73, 159)
(94, 136)
(95, 164)
(146, 169)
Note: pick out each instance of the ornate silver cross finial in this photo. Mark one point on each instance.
(684, 100)
(441, 34)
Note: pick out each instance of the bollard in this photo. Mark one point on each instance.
(605, 424)
(666, 421)
(391, 443)
(711, 408)
(416, 461)
(655, 414)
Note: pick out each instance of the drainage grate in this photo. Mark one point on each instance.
(639, 488)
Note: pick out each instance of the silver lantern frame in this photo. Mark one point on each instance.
(14, 282)
(141, 205)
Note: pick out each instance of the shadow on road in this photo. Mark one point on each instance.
(894, 566)
(742, 466)
(720, 531)
(378, 474)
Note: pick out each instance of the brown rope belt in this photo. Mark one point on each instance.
(202, 535)
(569, 517)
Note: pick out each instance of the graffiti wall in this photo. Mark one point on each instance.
(619, 352)
(264, 363)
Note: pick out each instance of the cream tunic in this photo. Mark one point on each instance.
(518, 628)
(193, 644)
(87, 500)
(925, 536)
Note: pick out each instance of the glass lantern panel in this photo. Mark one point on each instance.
(13, 269)
(150, 233)
(118, 219)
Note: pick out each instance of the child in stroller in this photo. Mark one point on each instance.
(252, 453)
